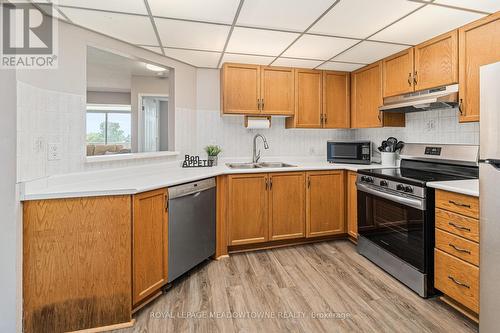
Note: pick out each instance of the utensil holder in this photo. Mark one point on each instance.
(388, 158)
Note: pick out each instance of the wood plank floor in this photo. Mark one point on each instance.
(297, 285)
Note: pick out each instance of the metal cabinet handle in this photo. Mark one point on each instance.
(166, 203)
(458, 226)
(409, 79)
(460, 106)
(267, 184)
(415, 81)
(262, 104)
(325, 118)
(270, 183)
(321, 119)
(459, 249)
(458, 282)
(309, 182)
(459, 204)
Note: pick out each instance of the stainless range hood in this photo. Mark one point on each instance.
(444, 97)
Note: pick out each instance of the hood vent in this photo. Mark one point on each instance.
(445, 97)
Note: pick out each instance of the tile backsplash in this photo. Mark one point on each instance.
(48, 117)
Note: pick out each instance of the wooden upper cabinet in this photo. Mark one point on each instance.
(240, 89)
(336, 99)
(150, 244)
(352, 205)
(436, 62)
(325, 203)
(248, 209)
(397, 71)
(277, 90)
(366, 98)
(287, 205)
(308, 102)
(479, 44)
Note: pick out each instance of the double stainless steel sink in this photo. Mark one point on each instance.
(259, 165)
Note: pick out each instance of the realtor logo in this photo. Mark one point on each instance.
(28, 35)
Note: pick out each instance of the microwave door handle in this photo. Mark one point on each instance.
(414, 203)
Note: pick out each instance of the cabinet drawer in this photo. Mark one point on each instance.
(458, 203)
(457, 279)
(457, 246)
(458, 224)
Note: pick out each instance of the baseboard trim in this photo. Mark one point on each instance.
(460, 308)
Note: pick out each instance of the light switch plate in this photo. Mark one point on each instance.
(53, 151)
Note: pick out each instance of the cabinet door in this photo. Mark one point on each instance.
(325, 203)
(479, 44)
(308, 98)
(436, 62)
(277, 90)
(287, 205)
(150, 244)
(352, 205)
(366, 96)
(248, 209)
(336, 99)
(240, 88)
(397, 73)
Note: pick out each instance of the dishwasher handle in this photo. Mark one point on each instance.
(194, 188)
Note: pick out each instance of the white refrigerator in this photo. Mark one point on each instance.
(489, 199)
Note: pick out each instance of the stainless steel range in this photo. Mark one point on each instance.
(396, 210)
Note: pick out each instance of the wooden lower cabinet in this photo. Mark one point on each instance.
(286, 205)
(76, 263)
(325, 203)
(456, 254)
(248, 209)
(150, 244)
(352, 205)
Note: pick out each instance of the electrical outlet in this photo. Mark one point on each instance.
(430, 125)
(38, 144)
(54, 151)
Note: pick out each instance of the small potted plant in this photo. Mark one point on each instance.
(213, 151)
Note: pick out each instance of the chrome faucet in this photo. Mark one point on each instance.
(256, 156)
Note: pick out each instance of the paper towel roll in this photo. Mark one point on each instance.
(258, 123)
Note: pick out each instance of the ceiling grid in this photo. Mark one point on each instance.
(320, 34)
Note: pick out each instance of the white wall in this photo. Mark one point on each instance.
(10, 229)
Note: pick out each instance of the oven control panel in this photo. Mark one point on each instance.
(390, 185)
(434, 151)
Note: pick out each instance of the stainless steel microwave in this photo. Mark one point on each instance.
(354, 152)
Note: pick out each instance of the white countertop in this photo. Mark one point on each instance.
(468, 186)
(134, 180)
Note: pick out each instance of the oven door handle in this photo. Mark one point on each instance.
(415, 203)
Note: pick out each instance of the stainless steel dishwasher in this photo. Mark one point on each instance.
(191, 225)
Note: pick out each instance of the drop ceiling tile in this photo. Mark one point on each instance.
(261, 42)
(192, 35)
(50, 10)
(126, 6)
(414, 29)
(340, 66)
(246, 59)
(195, 58)
(130, 28)
(361, 18)
(318, 47)
(489, 6)
(155, 49)
(221, 11)
(368, 52)
(300, 63)
(282, 14)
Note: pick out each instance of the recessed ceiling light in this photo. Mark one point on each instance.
(155, 68)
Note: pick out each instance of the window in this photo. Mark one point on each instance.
(109, 125)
